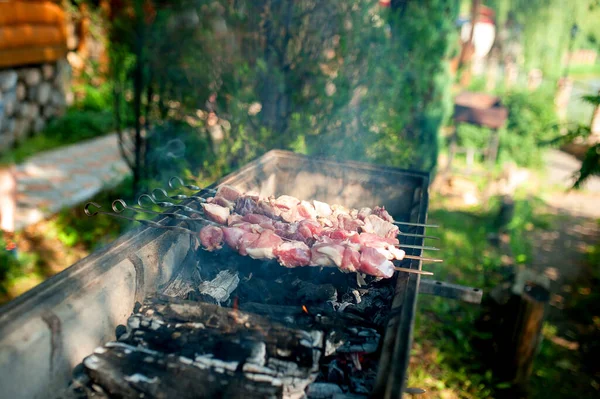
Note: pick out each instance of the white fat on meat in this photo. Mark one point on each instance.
(323, 209)
(307, 210)
(376, 225)
(216, 213)
(363, 213)
(374, 263)
(264, 247)
(211, 237)
(293, 254)
(327, 254)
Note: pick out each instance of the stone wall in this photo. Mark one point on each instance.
(29, 98)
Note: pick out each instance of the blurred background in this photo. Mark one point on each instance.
(498, 99)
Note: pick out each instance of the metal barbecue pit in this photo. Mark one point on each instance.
(52, 321)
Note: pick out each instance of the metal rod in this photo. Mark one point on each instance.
(177, 197)
(188, 186)
(416, 224)
(116, 214)
(418, 236)
(417, 247)
(452, 291)
(414, 271)
(164, 204)
(423, 259)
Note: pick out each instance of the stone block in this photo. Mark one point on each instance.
(22, 128)
(57, 99)
(48, 71)
(24, 109)
(31, 76)
(43, 93)
(10, 102)
(21, 91)
(8, 80)
(38, 124)
(62, 79)
(48, 111)
(8, 126)
(7, 140)
(34, 111)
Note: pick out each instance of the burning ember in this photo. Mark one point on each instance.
(304, 309)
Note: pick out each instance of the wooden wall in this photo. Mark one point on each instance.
(31, 32)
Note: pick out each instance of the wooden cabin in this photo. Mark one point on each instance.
(31, 32)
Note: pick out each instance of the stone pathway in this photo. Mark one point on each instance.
(50, 181)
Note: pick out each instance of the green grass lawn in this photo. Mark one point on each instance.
(450, 358)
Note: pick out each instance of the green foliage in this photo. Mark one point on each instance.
(531, 121)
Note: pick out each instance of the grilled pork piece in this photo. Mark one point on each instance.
(264, 246)
(229, 193)
(293, 254)
(376, 225)
(232, 236)
(216, 213)
(374, 263)
(211, 237)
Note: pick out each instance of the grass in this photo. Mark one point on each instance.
(451, 356)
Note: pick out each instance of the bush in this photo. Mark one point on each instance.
(531, 121)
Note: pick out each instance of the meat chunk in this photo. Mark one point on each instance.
(264, 246)
(350, 259)
(376, 225)
(232, 236)
(229, 193)
(327, 254)
(246, 240)
(293, 254)
(373, 240)
(211, 237)
(245, 205)
(323, 209)
(306, 210)
(234, 219)
(374, 263)
(383, 214)
(216, 213)
(346, 222)
(363, 213)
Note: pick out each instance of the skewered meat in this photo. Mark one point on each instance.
(374, 263)
(264, 246)
(363, 213)
(382, 213)
(323, 209)
(233, 236)
(327, 254)
(216, 213)
(211, 237)
(351, 259)
(307, 210)
(376, 225)
(229, 193)
(293, 254)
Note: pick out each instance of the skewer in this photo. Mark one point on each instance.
(418, 236)
(164, 204)
(188, 186)
(177, 197)
(426, 248)
(116, 214)
(432, 260)
(416, 224)
(414, 271)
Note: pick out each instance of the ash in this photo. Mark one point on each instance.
(230, 326)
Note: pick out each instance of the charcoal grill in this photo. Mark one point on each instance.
(49, 330)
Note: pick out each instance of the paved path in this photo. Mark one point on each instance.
(560, 167)
(50, 181)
